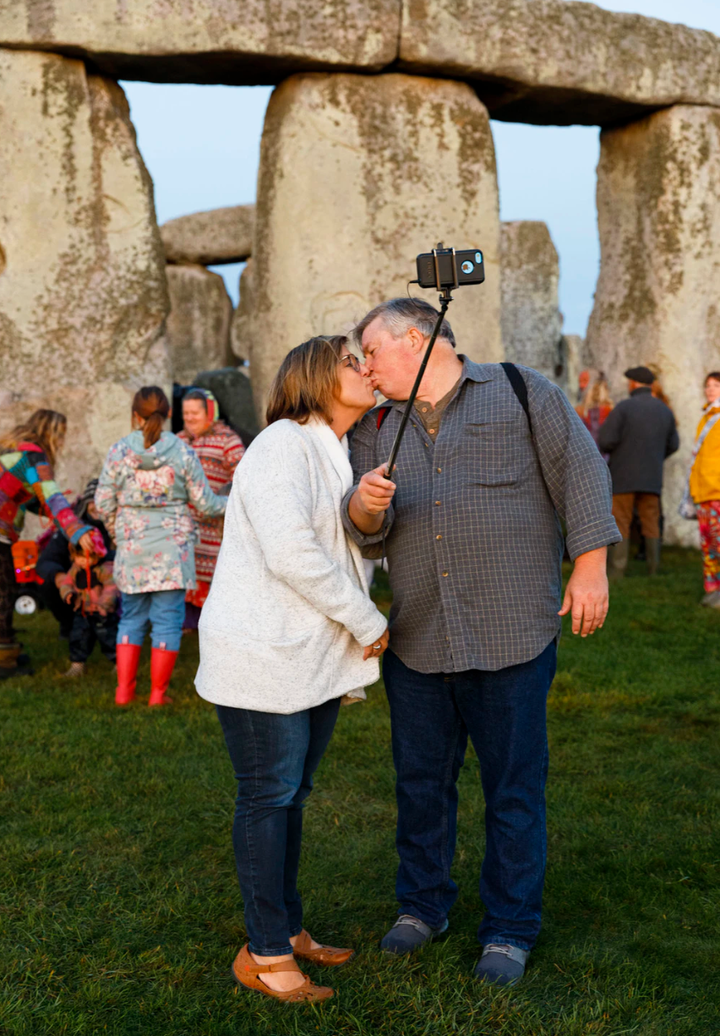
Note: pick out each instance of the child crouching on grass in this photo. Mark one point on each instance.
(88, 587)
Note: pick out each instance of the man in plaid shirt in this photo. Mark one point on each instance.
(473, 535)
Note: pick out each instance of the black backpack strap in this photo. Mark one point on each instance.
(519, 388)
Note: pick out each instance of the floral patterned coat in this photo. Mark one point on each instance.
(143, 496)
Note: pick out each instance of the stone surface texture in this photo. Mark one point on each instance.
(241, 328)
(357, 175)
(233, 391)
(574, 360)
(198, 326)
(658, 296)
(208, 41)
(529, 276)
(210, 238)
(83, 298)
(559, 61)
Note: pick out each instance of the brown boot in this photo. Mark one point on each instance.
(12, 663)
(245, 972)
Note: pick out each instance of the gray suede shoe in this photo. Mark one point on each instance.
(501, 965)
(409, 933)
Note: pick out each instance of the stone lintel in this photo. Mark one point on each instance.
(212, 238)
(559, 61)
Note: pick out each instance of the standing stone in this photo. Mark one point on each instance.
(198, 327)
(82, 287)
(210, 238)
(574, 360)
(357, 175)
(241, 323)
(531, 320)
(657, 296)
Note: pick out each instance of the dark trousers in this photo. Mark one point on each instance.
(274, 758)
(62, 612)
(504, 714)
(86, 629)
(8, 593)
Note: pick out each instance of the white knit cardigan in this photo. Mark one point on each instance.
(288, 612)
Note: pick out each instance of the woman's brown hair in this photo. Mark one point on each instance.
(152, 405)
(45, 428)
(307, 380)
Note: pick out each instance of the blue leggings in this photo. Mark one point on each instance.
(163, 609)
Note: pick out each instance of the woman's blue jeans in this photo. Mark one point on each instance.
(504, 714)
(274, 757)
(164, 610)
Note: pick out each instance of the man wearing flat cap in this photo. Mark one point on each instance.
(639, 434)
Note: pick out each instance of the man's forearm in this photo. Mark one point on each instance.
(591, 560)
(366, 523)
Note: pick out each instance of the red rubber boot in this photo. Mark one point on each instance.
(162, 663)
(128, 658)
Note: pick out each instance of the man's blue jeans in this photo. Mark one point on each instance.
(274, 758)
(504, 714)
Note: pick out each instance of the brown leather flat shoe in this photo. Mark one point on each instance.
(327, 956)
(245, 972)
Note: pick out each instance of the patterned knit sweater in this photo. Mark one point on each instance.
(219, 451)
(27, 483)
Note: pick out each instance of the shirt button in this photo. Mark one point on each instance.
(438, 537)
(424, 409)
(431, 431)
(444, 573)
(437, 503)
(438, 470)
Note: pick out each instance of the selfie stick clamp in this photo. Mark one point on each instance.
(445, 300)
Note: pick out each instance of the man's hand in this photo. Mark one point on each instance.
(371, 652)
(586, 594)
(371, 500)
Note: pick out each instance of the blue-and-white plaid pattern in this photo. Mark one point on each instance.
(474, 538)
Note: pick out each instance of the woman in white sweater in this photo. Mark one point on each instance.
(288, 629)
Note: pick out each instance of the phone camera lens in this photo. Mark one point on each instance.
(478, 257)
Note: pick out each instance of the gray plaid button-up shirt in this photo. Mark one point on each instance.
(474, 540)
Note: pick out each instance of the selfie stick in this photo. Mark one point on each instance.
(445, 300)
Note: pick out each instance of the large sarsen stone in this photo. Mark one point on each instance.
(357, 175)
(82, 283)
(208, 41)
(198, 326)
(529, 276)
(559, 61)
(657, 300)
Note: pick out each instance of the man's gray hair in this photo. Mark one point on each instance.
(399, 315)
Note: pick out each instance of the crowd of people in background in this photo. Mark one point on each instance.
(107, 582)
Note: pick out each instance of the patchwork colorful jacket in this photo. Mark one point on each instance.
(27, 483)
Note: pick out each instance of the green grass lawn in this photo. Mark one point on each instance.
(120, 912)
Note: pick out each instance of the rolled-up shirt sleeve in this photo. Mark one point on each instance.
(576, 476)
(362, 458)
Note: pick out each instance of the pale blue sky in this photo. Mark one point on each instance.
(201, 145)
